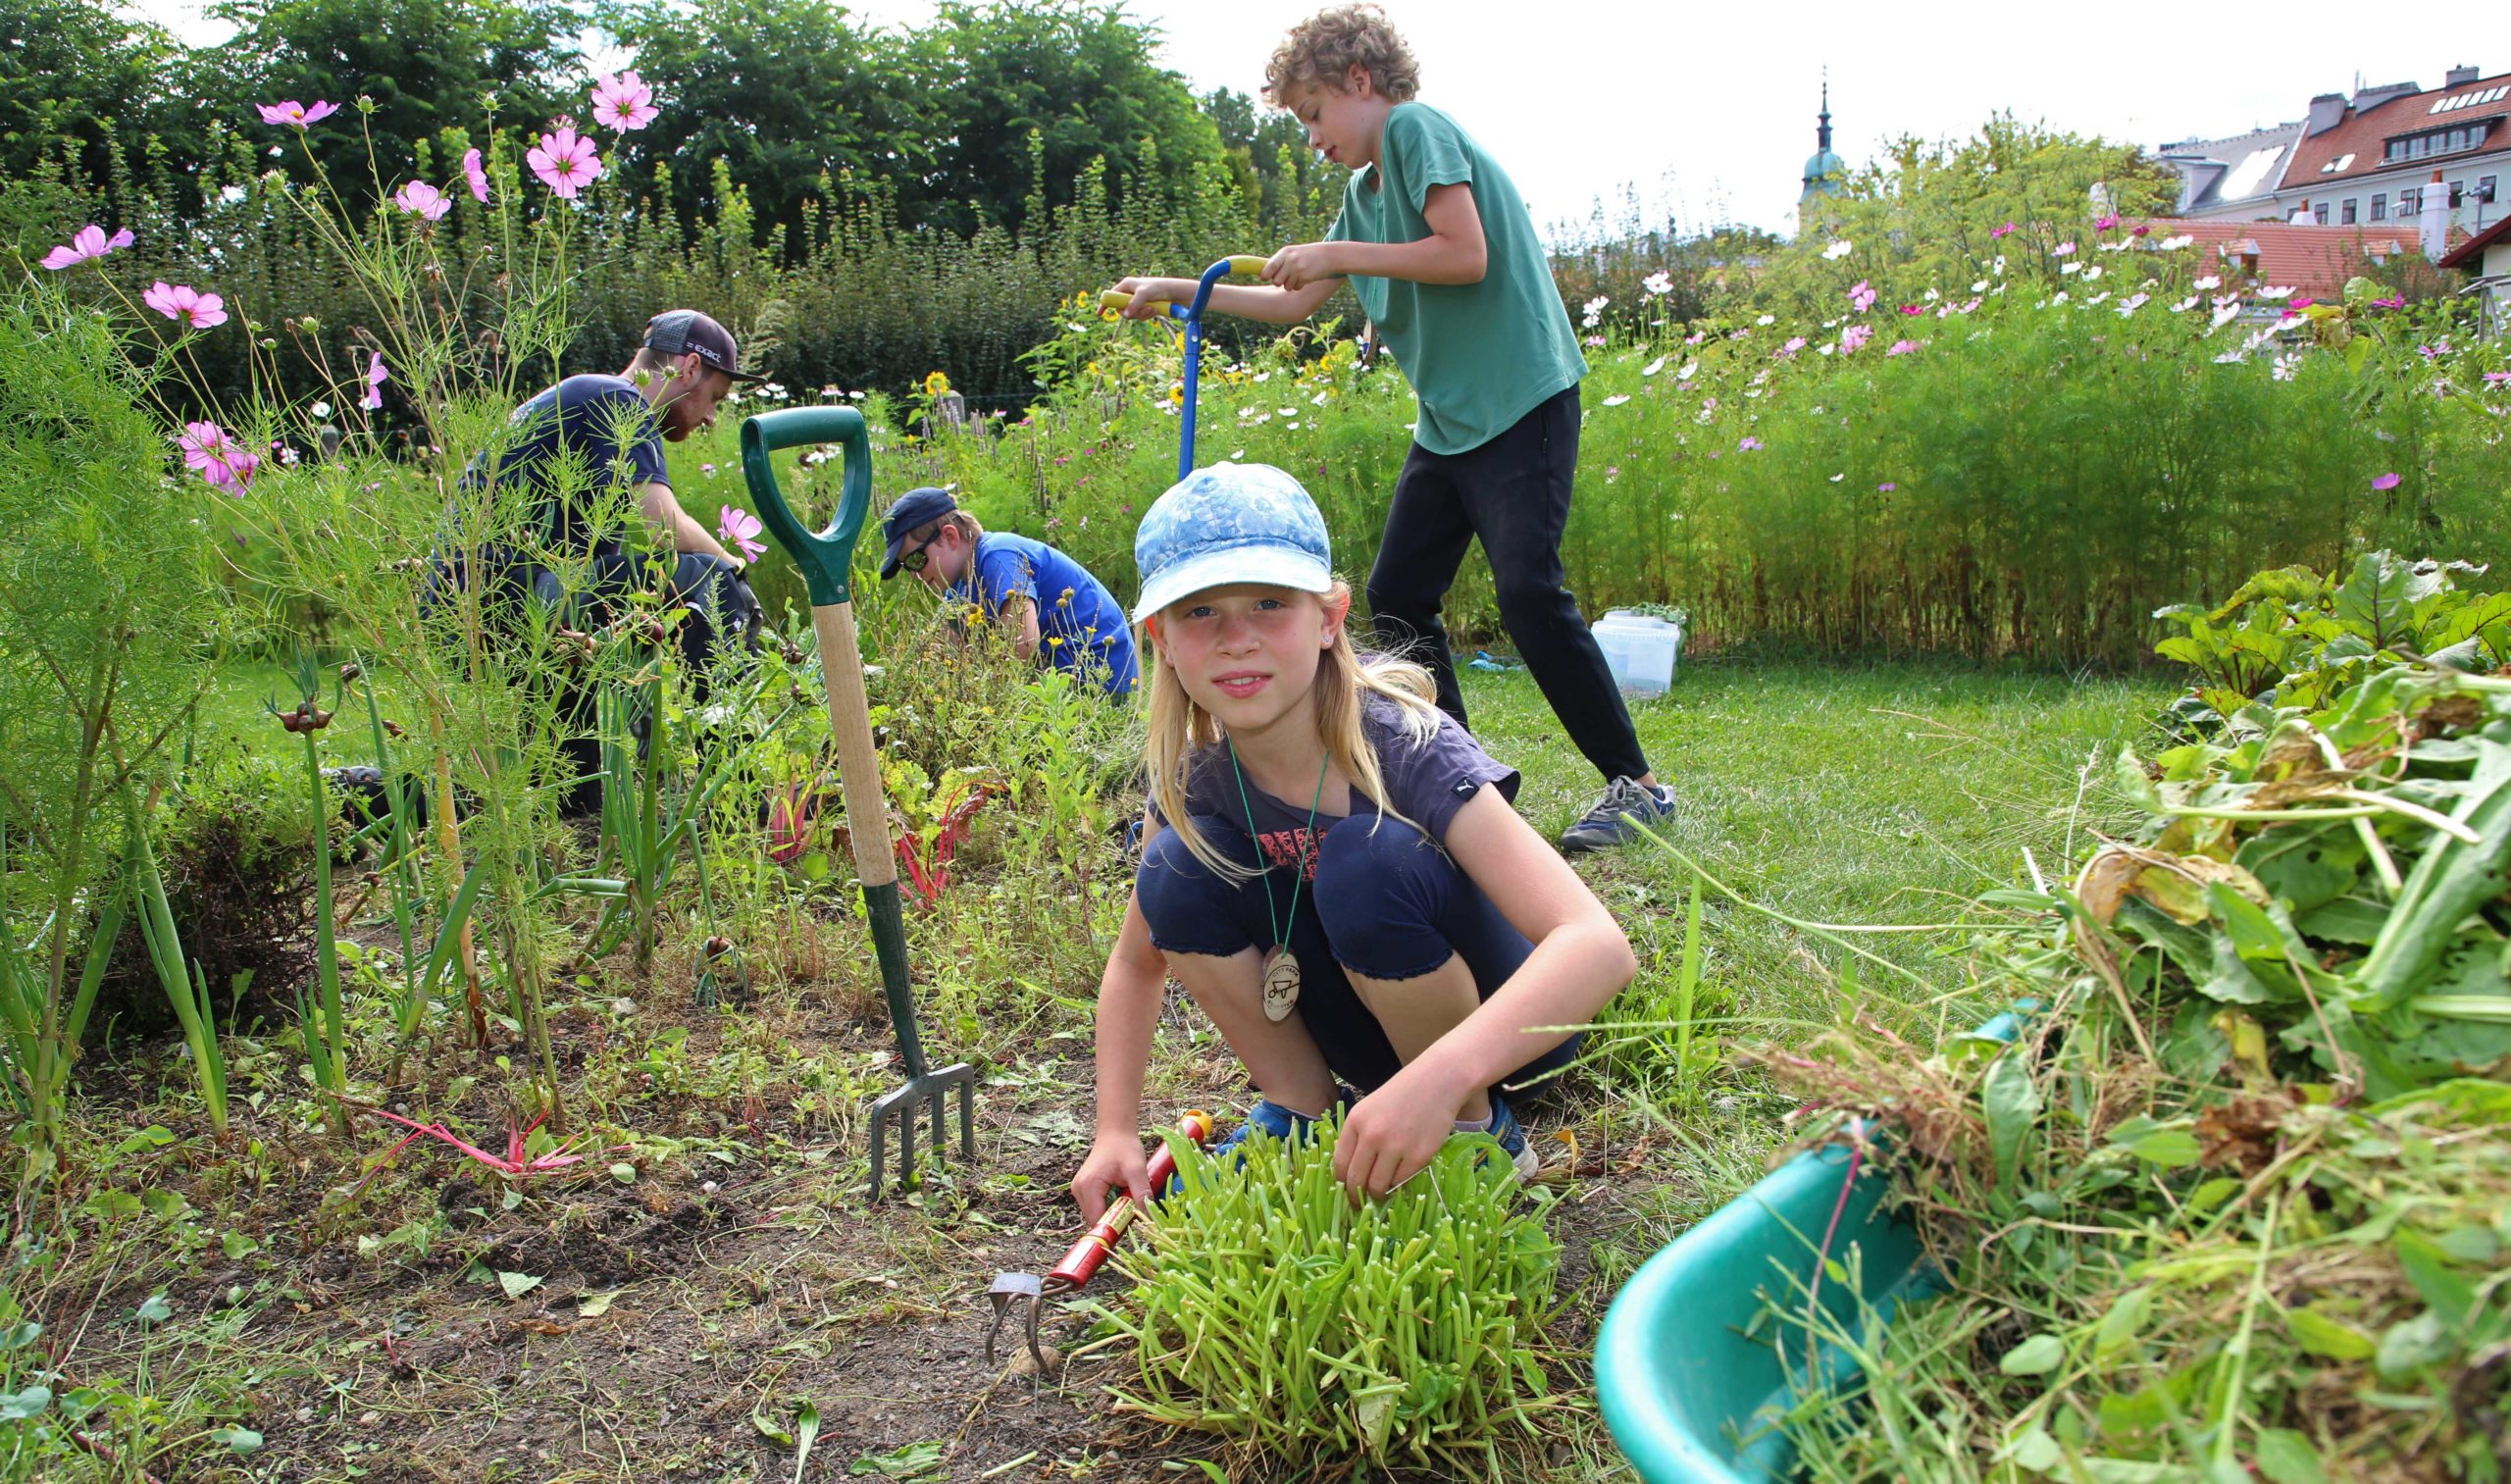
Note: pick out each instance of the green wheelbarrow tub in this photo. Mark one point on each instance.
(1690, 1396)
(1690, 1384)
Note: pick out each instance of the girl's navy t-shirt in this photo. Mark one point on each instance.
(1426, 781)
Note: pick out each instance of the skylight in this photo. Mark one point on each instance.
(2470, 100)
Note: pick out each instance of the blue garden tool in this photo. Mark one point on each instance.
(827, 561)
(1241, 265)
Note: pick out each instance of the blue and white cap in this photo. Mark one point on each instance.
(1230, 523)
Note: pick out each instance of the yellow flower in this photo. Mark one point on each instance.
(1177, 395)
(936, 384)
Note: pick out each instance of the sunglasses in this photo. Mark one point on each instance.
(913, 561)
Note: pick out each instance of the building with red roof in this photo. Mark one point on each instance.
(2311, 260)
(2426, 163)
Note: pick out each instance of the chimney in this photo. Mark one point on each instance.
(2372, 97)
(2328, 110)
(2461, 76)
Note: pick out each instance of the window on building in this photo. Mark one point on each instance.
(2319, 214)
(2458, 193)
(2381, 206)
(2346, 215)
(2485, 189)
(2396, 151)
(2410, 201)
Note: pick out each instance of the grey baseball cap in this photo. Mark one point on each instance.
(1230, 523)
(684, 331)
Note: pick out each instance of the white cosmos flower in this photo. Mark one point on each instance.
(2092, 272)
(2208, 282)
(1980, 285)
(1767, 318)
(2064, 269)
(1652, 366)
(2224, 317)
(1615, 400)
(2275, 293)
(2185, 305)
(2173, 244)
(1839, 249)
(1690, 369)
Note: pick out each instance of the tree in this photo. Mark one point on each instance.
(428, 66)
(781, 90)
(80, 86)
(1288, 183)
(1078, 75)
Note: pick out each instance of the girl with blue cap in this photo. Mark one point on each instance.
(1332, 866)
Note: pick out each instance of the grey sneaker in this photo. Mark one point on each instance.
(1627, 802)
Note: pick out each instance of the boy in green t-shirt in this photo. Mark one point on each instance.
(1444, 256)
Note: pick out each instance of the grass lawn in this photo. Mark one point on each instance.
(373, 1333)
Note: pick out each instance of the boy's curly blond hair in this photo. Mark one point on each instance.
(1324, 48)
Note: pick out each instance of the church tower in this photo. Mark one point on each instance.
(1825, 173)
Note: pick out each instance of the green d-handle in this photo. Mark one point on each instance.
(827, 560)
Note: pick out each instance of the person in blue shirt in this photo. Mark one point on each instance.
(1051, 610)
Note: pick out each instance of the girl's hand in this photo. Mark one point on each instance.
(1116, 1159)
(1299, 265)
(1150, 291)
(1393, 1134)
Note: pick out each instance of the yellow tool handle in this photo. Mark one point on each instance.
(1241, 265)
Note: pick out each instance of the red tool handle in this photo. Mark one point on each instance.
(1082, 1260)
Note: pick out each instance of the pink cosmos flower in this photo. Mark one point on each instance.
(2497, 379)
(376, 377)
(2394, 301)
(1886, 487)
(1862, 297)
(86, 244)
(1854, 338)
(2062, 249)
(1999, 231)
(419, 199)
(225, 463)
(2144, 229)
(739, 528)
(2386, 482)
(1795, 343)
(565, 161)
(1748, 445)
(1913, 310)
(1902, 347)
(294, 113)
(186, 306)
(474, 172)
(2109, 223)
(625, 103)
(2304, 303)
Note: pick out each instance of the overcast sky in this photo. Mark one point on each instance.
(1708, 110)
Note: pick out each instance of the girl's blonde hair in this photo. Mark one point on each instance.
(1179, 728)
(1322, 50)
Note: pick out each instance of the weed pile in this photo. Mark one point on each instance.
(1271, 1308)
(2237, 1206)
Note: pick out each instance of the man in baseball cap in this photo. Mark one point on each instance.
(687, 331)
(1051, 608)
(575, 449)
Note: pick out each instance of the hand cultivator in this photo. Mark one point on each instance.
(827, 562)
(1029, 1292)
(1241, 265)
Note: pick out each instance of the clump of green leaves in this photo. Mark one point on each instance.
(2297, 637)
(1271, 1308)
(2235, 1203)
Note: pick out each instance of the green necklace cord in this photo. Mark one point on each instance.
(1299, 876)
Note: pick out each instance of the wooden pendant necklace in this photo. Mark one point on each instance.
(1281, 966)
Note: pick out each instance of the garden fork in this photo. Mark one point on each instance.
(827, 561)
(1027, 1290)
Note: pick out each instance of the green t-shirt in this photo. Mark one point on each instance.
(1480, 355)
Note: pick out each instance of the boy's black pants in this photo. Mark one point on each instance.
(1514, 492)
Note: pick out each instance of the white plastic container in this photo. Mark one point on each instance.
(1641, 650)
